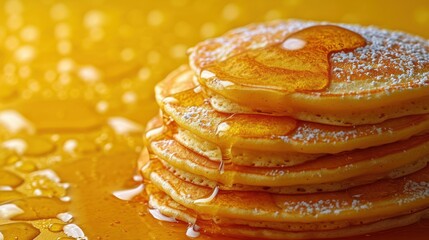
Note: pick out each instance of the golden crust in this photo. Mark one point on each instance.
(383, 198)
(393, 67)
(272, 230)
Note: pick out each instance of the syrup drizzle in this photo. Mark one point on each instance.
(299, 63)
(193, 231)
(209, 198)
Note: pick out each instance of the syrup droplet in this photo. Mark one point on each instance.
(10, 195)
(7, 91)
(300, 63)
(5, 156)
(9, 179)
(37, 146)
(24, 231)
(25, 166)
(257, 126)
(56, 227)
(29, 145)
(35, 208)
(9, 158)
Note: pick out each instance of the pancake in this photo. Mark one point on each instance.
(387, 198)
(250, 232)
(239, 156)
(190, 111)
(161, 165)
(183, 79)
(328, 169)
(166, 205)
(389, 68)
(275, 230)
(348, 118)
(179, 80)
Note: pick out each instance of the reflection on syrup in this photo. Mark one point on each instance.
(300, 63)
(9, 179)
(19, 231)
(259, 126)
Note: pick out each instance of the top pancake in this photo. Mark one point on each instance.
(391, 68)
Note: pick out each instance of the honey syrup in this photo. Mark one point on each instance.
(299, 63)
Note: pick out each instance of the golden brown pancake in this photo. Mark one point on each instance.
(347, 118)
(240, 156)
(161, 165)
(179, 80)
(384, 198)
(328, 169)
(237, 156)
(243, 231)
(359, 210)
(190, 111)
(390, 68)
(183, 79)
(275, 230)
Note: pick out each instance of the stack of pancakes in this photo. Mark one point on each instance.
(294, 129)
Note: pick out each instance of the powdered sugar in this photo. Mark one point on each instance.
(414, 191)
(307, 133)
(391, 61)
(325, 207)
